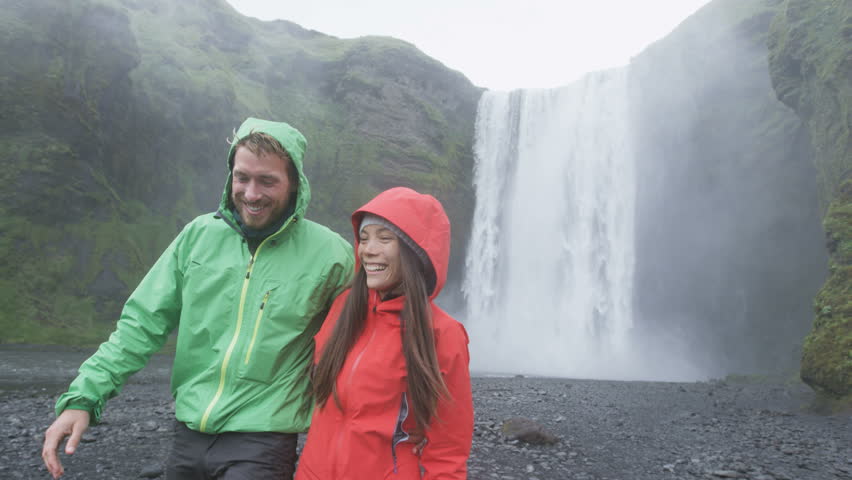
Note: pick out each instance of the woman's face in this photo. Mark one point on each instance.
(378, 251)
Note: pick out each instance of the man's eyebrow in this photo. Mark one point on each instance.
(261, 177)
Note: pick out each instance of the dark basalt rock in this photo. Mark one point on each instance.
(528, 431)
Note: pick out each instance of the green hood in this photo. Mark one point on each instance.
(293, 142)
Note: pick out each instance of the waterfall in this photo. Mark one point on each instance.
(549, 268)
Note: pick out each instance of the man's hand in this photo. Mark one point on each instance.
(70, 422)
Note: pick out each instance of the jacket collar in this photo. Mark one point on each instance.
(391, 306)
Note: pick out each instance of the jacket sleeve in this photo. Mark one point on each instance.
(450, 435)
(341, 272)
(335, 279)
(148, 316)
(330, 321)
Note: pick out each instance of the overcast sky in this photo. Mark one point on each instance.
(497, 44)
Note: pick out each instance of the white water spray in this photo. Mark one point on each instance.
(549, 270)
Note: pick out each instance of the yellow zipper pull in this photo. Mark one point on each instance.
(251, 264)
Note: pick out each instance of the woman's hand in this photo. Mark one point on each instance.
(418, 438)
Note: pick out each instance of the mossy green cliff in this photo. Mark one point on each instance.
(116, 115)
(811, 62)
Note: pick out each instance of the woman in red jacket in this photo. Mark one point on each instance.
(391, 373)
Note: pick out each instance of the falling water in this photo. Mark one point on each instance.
(549, 270)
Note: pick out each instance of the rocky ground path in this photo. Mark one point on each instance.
(607, 430)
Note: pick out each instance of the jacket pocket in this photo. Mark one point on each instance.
(399, 433)
(256, 357)
(271, 342)
(257, 322)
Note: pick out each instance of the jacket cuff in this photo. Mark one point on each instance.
(70, 402)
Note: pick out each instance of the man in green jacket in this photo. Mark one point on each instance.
(247, 287)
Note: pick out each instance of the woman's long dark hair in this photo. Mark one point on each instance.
(425, 383)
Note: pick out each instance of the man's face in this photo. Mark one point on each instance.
(260, 188)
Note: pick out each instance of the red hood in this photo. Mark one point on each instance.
(421, 217)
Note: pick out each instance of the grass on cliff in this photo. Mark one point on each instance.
(827, 359)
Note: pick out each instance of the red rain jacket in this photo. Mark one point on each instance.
(368, 439)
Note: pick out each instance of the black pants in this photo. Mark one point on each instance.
(231, 456)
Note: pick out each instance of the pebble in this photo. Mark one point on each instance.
(726, 474)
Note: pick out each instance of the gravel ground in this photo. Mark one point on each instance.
(607, 430)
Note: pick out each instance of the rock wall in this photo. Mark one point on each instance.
(811, 61)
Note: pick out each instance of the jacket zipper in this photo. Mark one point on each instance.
(224, 369)
(339, 442)
(359, 357)
(257, 326)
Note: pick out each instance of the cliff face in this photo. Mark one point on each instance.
(811, 61)
(117, 115)
(729, 247)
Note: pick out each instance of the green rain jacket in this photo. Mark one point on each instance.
(246, 323)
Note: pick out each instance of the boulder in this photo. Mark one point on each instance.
(528, 431)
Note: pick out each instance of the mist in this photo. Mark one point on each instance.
(656, 222)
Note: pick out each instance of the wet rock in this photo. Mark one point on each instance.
(526, 430)
(149, 426)
(726, 474)
(151, 471)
